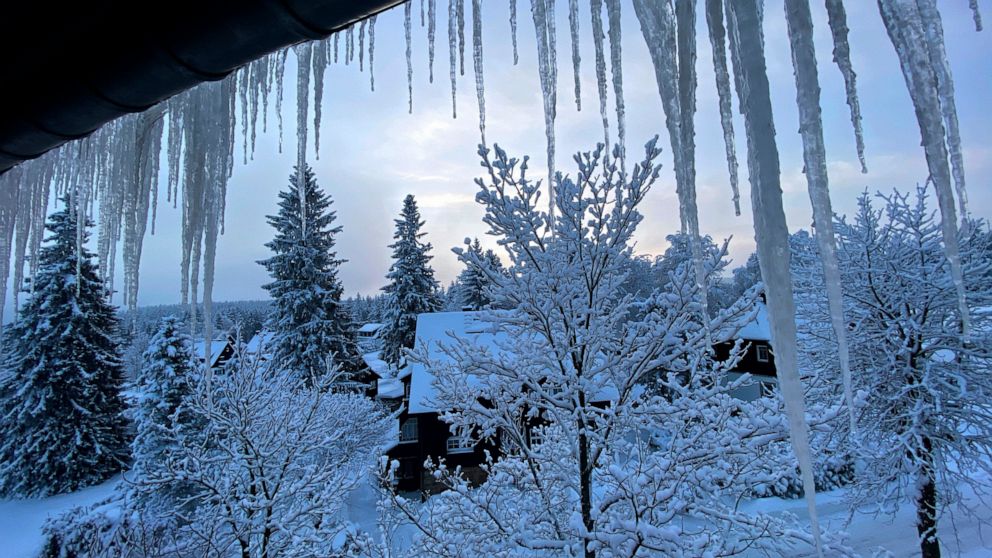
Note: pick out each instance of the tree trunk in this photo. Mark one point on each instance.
(926, 504)
(585, 481)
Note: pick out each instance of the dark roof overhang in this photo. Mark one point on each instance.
(71, 67)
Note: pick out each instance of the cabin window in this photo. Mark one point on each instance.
(536, 437)
(407, 469)
(409, 431)
(460, 444)
(406, 391)
(762, 353)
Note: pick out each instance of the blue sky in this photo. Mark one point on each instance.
(373, 152)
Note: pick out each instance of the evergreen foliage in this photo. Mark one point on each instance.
(412, 288)
(61, 410)
(310, 322)
(477, 279)
(160, 413)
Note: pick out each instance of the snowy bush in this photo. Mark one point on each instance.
(111, 529)
(265, 472)
(274, 462)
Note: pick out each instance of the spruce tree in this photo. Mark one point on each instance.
(412, 288)
(61, 411)
(161, 413)
(475, 281)
(309, 320)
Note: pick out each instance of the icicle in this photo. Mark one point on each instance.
(264, 80)
(837, 18)
(685, 17)
(243, 95)
(141, 194)
(372, 52)
(480, 89)
(598, 37)
(513, 29)
(973, 4)
(431, 31)
(549, 84)
(934, 31)
(421, 13)
(905, 29)
(337, 36)
(280, 72)
(303, 54)
(319, 64)
(714, 22)
(361, 44)
(669, 47)
(800, 29)
(452, 51)
(460, 14)
(10, 185)
(771, 231)
(573, 25)
(409, 55)
(349, 51)
(616, 66)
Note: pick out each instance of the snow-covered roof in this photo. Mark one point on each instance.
(261, 340)
(370, 328)
(376, 364)
(389, 388)
(216, 348)
(436, 330)
(759, 328)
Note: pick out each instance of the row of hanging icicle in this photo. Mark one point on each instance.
(114, 172)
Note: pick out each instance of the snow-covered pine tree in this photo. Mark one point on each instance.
(925, 425)
(160, 413)
(61, 409)
(310, 322)
(478, 276)
(412, 288)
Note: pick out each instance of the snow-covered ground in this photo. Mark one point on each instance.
(968, 537)
(895, 536)
(21, 520)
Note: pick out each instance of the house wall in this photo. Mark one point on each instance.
(432, 437)
(749, 360)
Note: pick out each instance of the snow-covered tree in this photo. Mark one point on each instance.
(61, 411)
(412, 288)
(272, 466)
(593, 463)
(474, 282)
(160, 409)
(924, 423)
(743, 278)
(310, 323)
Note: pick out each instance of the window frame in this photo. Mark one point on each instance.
(535, 436)
(461, 445)
(412, 422)
(762, 353)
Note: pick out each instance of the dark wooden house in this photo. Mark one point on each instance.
(221, 351)
(422, 435)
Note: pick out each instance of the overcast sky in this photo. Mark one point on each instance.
(373, 152)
